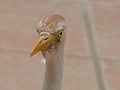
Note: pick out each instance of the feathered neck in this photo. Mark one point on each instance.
(54, 68)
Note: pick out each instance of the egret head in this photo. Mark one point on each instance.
(51, 31)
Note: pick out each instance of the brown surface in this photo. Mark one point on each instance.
(107, 1)
(107, 31)
(111, 70)
(92, 55)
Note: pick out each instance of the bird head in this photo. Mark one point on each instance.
(51, 31)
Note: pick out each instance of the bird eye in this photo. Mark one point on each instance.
(61, 33)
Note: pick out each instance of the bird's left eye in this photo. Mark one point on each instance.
(61, 33)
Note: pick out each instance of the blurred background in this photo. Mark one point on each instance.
(92, 49)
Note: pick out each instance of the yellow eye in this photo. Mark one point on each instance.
(61, 33)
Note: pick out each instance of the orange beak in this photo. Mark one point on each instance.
(42, 42)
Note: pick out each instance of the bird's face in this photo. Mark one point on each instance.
(51, 31)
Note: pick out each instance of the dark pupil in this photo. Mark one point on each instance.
(60, 33)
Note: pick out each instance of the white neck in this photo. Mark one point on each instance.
(54, 69)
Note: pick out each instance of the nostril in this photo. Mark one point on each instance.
(45, 38)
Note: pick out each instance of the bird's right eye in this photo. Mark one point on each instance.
(61, 33)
